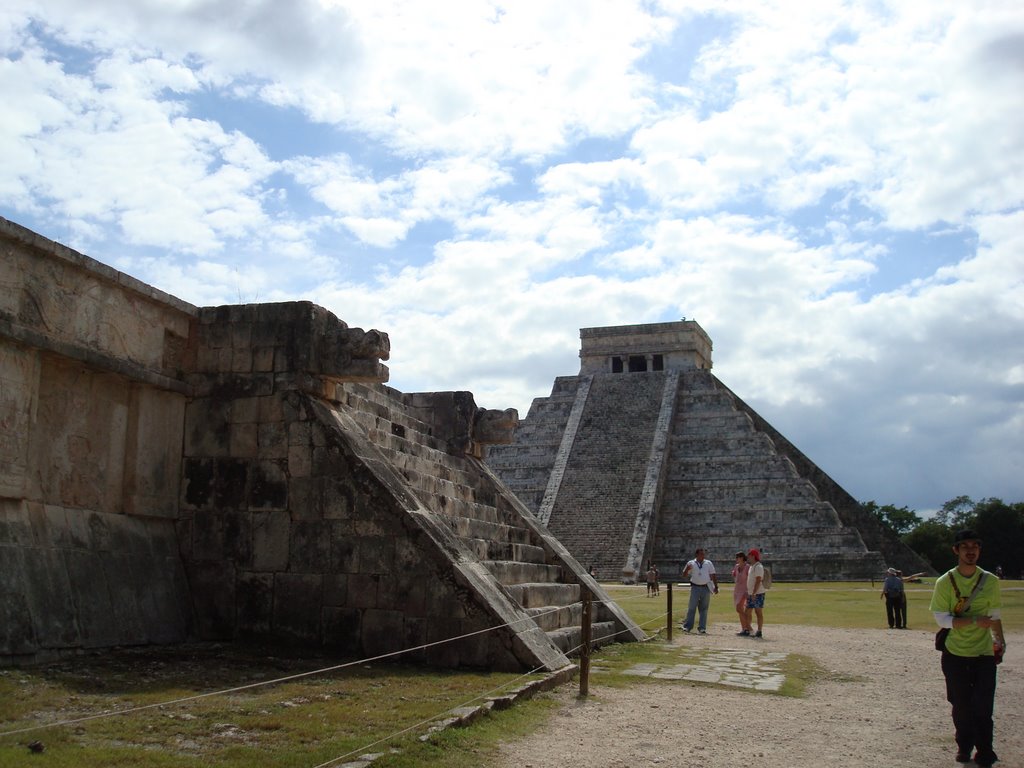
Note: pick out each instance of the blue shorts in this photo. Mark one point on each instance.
(755, 601)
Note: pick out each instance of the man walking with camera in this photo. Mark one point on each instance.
(966, 602)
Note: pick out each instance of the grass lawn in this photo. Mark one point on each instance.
(314, 720)
(837, 604)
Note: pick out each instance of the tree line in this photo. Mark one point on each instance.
(1000, 526)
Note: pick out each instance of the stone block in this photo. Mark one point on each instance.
(300, 460)
(230, 483)
(273, 439)
(271, 538)
(164, 600)
(207, 427)
(126, 585)
(244, 440)
(298, 600)
(382, 631)
(362, 590)
(197, 483)
(309, 550)
(208, 537)
(339, 498)
(246, 410)
(91, 597)
(19, 369)
(238, 538)
(15, 527)
(342, 629)
(213, 598)
(153, 452)
(269, 489)
(344, 551)
(306, 498)
(336, 589)
(255, 603)
(263, 359)
(376, 554)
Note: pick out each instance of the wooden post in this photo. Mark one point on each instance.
(585, 636)
(669, 610)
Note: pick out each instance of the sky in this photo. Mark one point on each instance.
(833, 191)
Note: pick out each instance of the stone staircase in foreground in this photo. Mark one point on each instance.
(494, 527)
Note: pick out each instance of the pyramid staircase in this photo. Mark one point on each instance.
(729, 489)
(534, 570)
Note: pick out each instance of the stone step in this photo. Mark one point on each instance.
(714, 446)
(726, 491)
(470, 528)
(511, 572)
(557, 617)
(569, 639)
(492, 549)
(544, 594)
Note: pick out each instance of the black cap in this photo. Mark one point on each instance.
(966, 535)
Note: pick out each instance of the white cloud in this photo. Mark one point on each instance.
(758, 169)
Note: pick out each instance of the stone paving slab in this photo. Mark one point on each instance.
(746, 668)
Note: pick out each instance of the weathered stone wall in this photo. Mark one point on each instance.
(286, 532)
(91, 408)
(241, 471)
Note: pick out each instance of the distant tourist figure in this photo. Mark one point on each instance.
(652, 580)
(739, 592)
(657, 580)
(895, 608)
(755, 590)
(703, 583)
(966, 603)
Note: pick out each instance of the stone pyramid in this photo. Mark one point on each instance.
(645, 455)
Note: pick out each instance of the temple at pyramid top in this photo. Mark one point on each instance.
(672, 346)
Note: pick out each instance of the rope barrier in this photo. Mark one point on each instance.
(336, 667)
(287, 678)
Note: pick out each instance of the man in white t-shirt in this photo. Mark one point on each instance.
(703, 583)
(755, 590)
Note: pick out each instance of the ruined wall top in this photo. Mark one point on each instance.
(671, 346)
(64, 303)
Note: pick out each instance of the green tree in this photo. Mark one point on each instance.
(900, 519)
(1001, 528)
(932, 540)
(957, 513)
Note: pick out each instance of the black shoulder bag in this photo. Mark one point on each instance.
(962, 604)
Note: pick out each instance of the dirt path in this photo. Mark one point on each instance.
(885, 707)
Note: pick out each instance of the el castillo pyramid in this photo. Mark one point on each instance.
(645, 455)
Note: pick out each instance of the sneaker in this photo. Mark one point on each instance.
(757, 634)
(744, 633)
(702, 631)
(686, 631)
(963, 757)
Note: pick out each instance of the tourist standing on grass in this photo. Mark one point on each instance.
(703, 583)
(966, 601)
(652, 579)
(892, 591)
(739, 592)
(755, 590)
